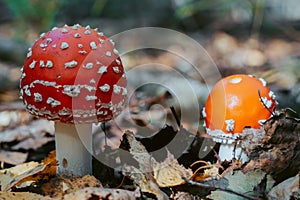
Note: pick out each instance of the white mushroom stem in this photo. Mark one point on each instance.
(73, 146)
(230, 147)
(229, 151)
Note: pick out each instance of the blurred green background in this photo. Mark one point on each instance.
(184, 15)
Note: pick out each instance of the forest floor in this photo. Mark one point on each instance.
(27, 156)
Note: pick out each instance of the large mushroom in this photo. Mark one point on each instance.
(74, 76)
(234, 103)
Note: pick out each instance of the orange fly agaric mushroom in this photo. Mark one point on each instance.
(234, 103)
(74, 76)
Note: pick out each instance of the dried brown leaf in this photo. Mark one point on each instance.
(17, 134)
(288, 189)
(25, 174)
(152, 174)
(276, 148)
(143, 176)
(169, 172)
(35, 129)
(9, 177)
(13, 158)
(144, 181)
(139, 152)
(50, 160)
(58, 186)
(12, 118)
(32, 143)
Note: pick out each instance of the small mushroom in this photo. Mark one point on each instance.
(69, 91)
(234, 103)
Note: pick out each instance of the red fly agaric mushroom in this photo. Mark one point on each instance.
(73, 75)
(236, 102)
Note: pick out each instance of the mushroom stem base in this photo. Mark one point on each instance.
(73, 146)
(229, 151)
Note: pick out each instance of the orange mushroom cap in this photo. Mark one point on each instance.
(234, 103)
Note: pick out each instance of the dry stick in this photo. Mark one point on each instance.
(260, 98)
(218, 188)
(175, 116)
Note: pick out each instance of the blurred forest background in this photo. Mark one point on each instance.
(246, 36)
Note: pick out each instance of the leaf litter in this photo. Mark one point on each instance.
(169, 176)
(20, 133)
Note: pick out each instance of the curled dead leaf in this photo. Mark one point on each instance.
(276, 148)
(25, 174)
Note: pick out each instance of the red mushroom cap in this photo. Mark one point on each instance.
(73, 73)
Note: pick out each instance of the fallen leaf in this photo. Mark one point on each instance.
(142, 176)
(12, 118)
(166, 173)
(9, 177)
(57, 186)
(101, 193)
(35, 129)
(25, 174)
(151, 174)
(13, 158)
(288, 189)
(243, 184)
(169, 172)
(144, 181)
(50, 160)
(276, 148)
(17, 134)
(32, 143)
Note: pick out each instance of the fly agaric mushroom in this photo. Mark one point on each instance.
(74, 76)
(234, 103)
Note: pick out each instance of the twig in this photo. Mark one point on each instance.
(175, 116)
(218, 188)
(260, 98)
